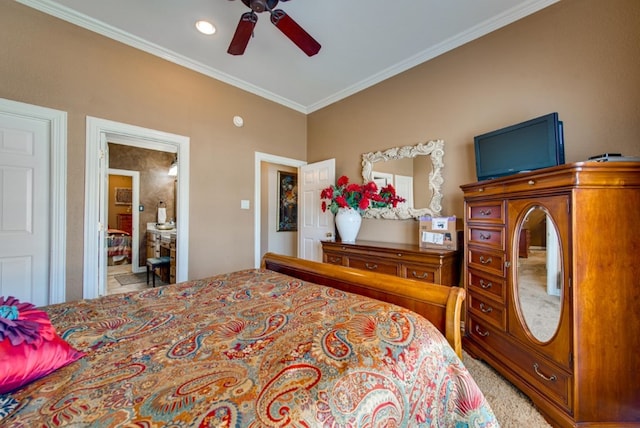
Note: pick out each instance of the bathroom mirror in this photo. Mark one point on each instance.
(416, 174)
(539, 273)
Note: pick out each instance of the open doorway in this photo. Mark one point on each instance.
(142, 183)
(266, 166)
(279, 218)
(124, 255)
(99, 132)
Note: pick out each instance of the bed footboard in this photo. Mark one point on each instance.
(440, 304)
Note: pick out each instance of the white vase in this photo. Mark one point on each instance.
(348, 222)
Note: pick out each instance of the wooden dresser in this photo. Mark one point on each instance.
(404, 260)
(580, 366)
(125, 222)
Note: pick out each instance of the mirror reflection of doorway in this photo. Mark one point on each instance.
(539, 274)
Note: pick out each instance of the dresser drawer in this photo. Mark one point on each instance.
(543, 375)
(483, 283)
(487, 310)
(422, 273)
(374, 265)
(491, 262)
(487, 236)
(486, 212)
(334, 259)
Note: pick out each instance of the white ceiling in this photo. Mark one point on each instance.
(363, 41)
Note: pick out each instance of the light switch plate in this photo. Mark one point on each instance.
(244, 204)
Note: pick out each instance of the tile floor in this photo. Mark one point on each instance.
(114, 287)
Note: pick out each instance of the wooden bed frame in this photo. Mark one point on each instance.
(440, 304)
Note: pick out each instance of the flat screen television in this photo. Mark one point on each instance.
(534, 144)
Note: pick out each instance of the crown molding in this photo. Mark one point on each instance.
(114, 33)
(486, 27)
(482, 29)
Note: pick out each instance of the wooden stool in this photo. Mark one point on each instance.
(155, 262)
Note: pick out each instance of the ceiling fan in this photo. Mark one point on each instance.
(279, 18)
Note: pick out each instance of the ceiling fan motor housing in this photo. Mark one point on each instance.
(260, 5)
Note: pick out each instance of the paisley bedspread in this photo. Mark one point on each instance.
(252, 348)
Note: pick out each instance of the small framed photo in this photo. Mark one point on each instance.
(123, 195)
(287, 201)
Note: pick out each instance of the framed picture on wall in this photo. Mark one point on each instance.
(123, 195)
(287, 201)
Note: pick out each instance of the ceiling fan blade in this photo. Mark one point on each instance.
(243, 33)
(295, 32)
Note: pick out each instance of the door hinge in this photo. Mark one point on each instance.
(101, 154)
(100, 227)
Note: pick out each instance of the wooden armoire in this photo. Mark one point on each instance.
(566, 332)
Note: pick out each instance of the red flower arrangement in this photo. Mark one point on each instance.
(360, 197)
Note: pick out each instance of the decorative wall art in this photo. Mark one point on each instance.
(287, 201)
(123, 195)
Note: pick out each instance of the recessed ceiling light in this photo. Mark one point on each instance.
(205, 27)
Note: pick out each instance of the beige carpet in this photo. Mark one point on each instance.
(541, 310)
(511, 407)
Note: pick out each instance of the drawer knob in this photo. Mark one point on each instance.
(531, 182)
(423, 276)
(551, 378)
(485, 261)
(486, 309)
(371, 266)
(481, 333)
(485, 236)
(485, 285)
(485, 212)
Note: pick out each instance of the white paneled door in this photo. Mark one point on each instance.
(25, 207)
(313, 224)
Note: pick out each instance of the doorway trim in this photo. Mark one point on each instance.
(135, 215)
(259, 158)
(98, 132)
(57, 123)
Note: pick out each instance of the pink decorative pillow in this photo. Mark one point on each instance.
(30, 348)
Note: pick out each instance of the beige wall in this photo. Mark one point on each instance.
(51, 63)
(580, 58)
